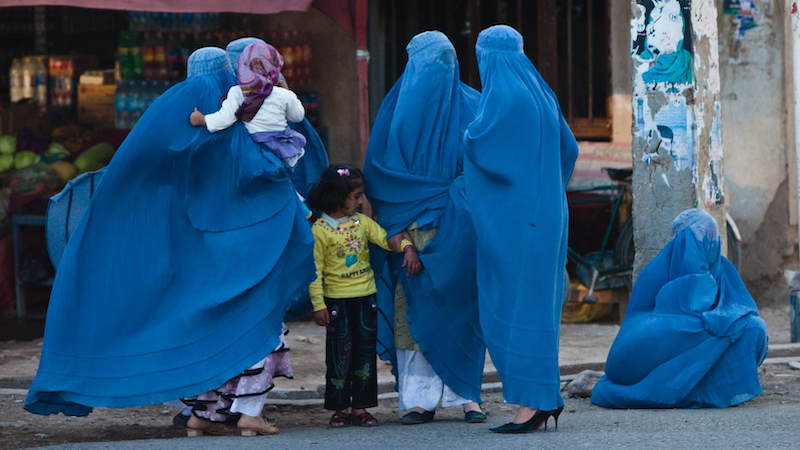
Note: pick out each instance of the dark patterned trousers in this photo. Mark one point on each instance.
(350, 355)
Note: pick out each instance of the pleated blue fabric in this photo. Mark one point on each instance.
(310, 167)
(179, 273)
(519, 156)
(413, 167)
(691, 337)
(65, 210)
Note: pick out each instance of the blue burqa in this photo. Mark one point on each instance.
(519, 156)
(308, 170)
(691, 337)
(413, 167)
(178, 274)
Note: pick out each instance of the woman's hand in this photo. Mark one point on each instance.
(197, 118)
(321, 317)
(395, 241)
(412, 262)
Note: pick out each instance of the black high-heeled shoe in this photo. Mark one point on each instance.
(539, 417)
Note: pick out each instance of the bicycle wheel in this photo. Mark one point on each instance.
(734, 242)
(624, 251)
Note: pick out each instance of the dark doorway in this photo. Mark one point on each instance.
(567, 40)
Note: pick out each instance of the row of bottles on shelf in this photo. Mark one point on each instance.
(163, 56)
(153, 56)
(163, 21)
(308, 97)
(133, 98)
(296, 52)
(28, 79)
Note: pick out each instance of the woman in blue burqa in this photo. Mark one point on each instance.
(178, 275)
(413, 164)
(519, 156)
(691, 337)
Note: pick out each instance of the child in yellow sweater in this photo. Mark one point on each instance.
(343, 294)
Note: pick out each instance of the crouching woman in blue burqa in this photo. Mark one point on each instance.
(414, 162)
(691, 337)
(178, 275)
(519, 156)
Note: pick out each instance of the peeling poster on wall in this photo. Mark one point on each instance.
(665, 43)
(745, 11)
(712, 184)
(674, 124)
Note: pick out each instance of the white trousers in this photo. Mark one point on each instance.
(420, 386)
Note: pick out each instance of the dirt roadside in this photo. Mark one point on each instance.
(580, 343)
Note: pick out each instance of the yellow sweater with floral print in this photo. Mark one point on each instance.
(342, 258)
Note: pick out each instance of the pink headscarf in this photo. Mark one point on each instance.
(259, 69)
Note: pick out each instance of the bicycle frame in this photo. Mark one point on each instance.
(616, 194)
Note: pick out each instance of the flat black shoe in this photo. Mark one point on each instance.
(180, 421)
(415, 418)
(474, 417)
(539, 417)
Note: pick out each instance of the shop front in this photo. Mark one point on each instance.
(75, 76)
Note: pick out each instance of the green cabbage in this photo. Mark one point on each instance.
(25, 159)
(8, 144)
(6, 161)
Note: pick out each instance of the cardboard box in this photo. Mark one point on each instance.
(96, 104)
(70, 66)
(97, 77)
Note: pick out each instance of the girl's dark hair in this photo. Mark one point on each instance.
(335, 184)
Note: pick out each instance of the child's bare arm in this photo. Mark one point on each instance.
(197, 118)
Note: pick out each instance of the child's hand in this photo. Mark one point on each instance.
(411, 260)
(321, 317)
(197, 118)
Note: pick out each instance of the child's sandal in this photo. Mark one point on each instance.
(364, 419)
(340, 420)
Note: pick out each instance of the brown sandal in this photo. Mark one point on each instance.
(340, 420)
(208, 428)
(363, 419)
(268, 428)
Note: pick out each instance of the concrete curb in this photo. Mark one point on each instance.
(783, 350)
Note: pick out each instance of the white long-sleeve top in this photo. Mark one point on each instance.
(281, 105)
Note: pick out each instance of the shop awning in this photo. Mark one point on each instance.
(188, 6)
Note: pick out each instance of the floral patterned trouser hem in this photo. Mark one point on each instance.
(244, 394)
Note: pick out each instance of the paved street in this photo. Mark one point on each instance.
(581, 426)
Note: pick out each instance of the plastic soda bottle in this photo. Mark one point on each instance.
(15, 83)
(122, 108)
(41, 82)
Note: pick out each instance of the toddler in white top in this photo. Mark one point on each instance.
(263, 102)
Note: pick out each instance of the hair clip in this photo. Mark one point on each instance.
(343, 172)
